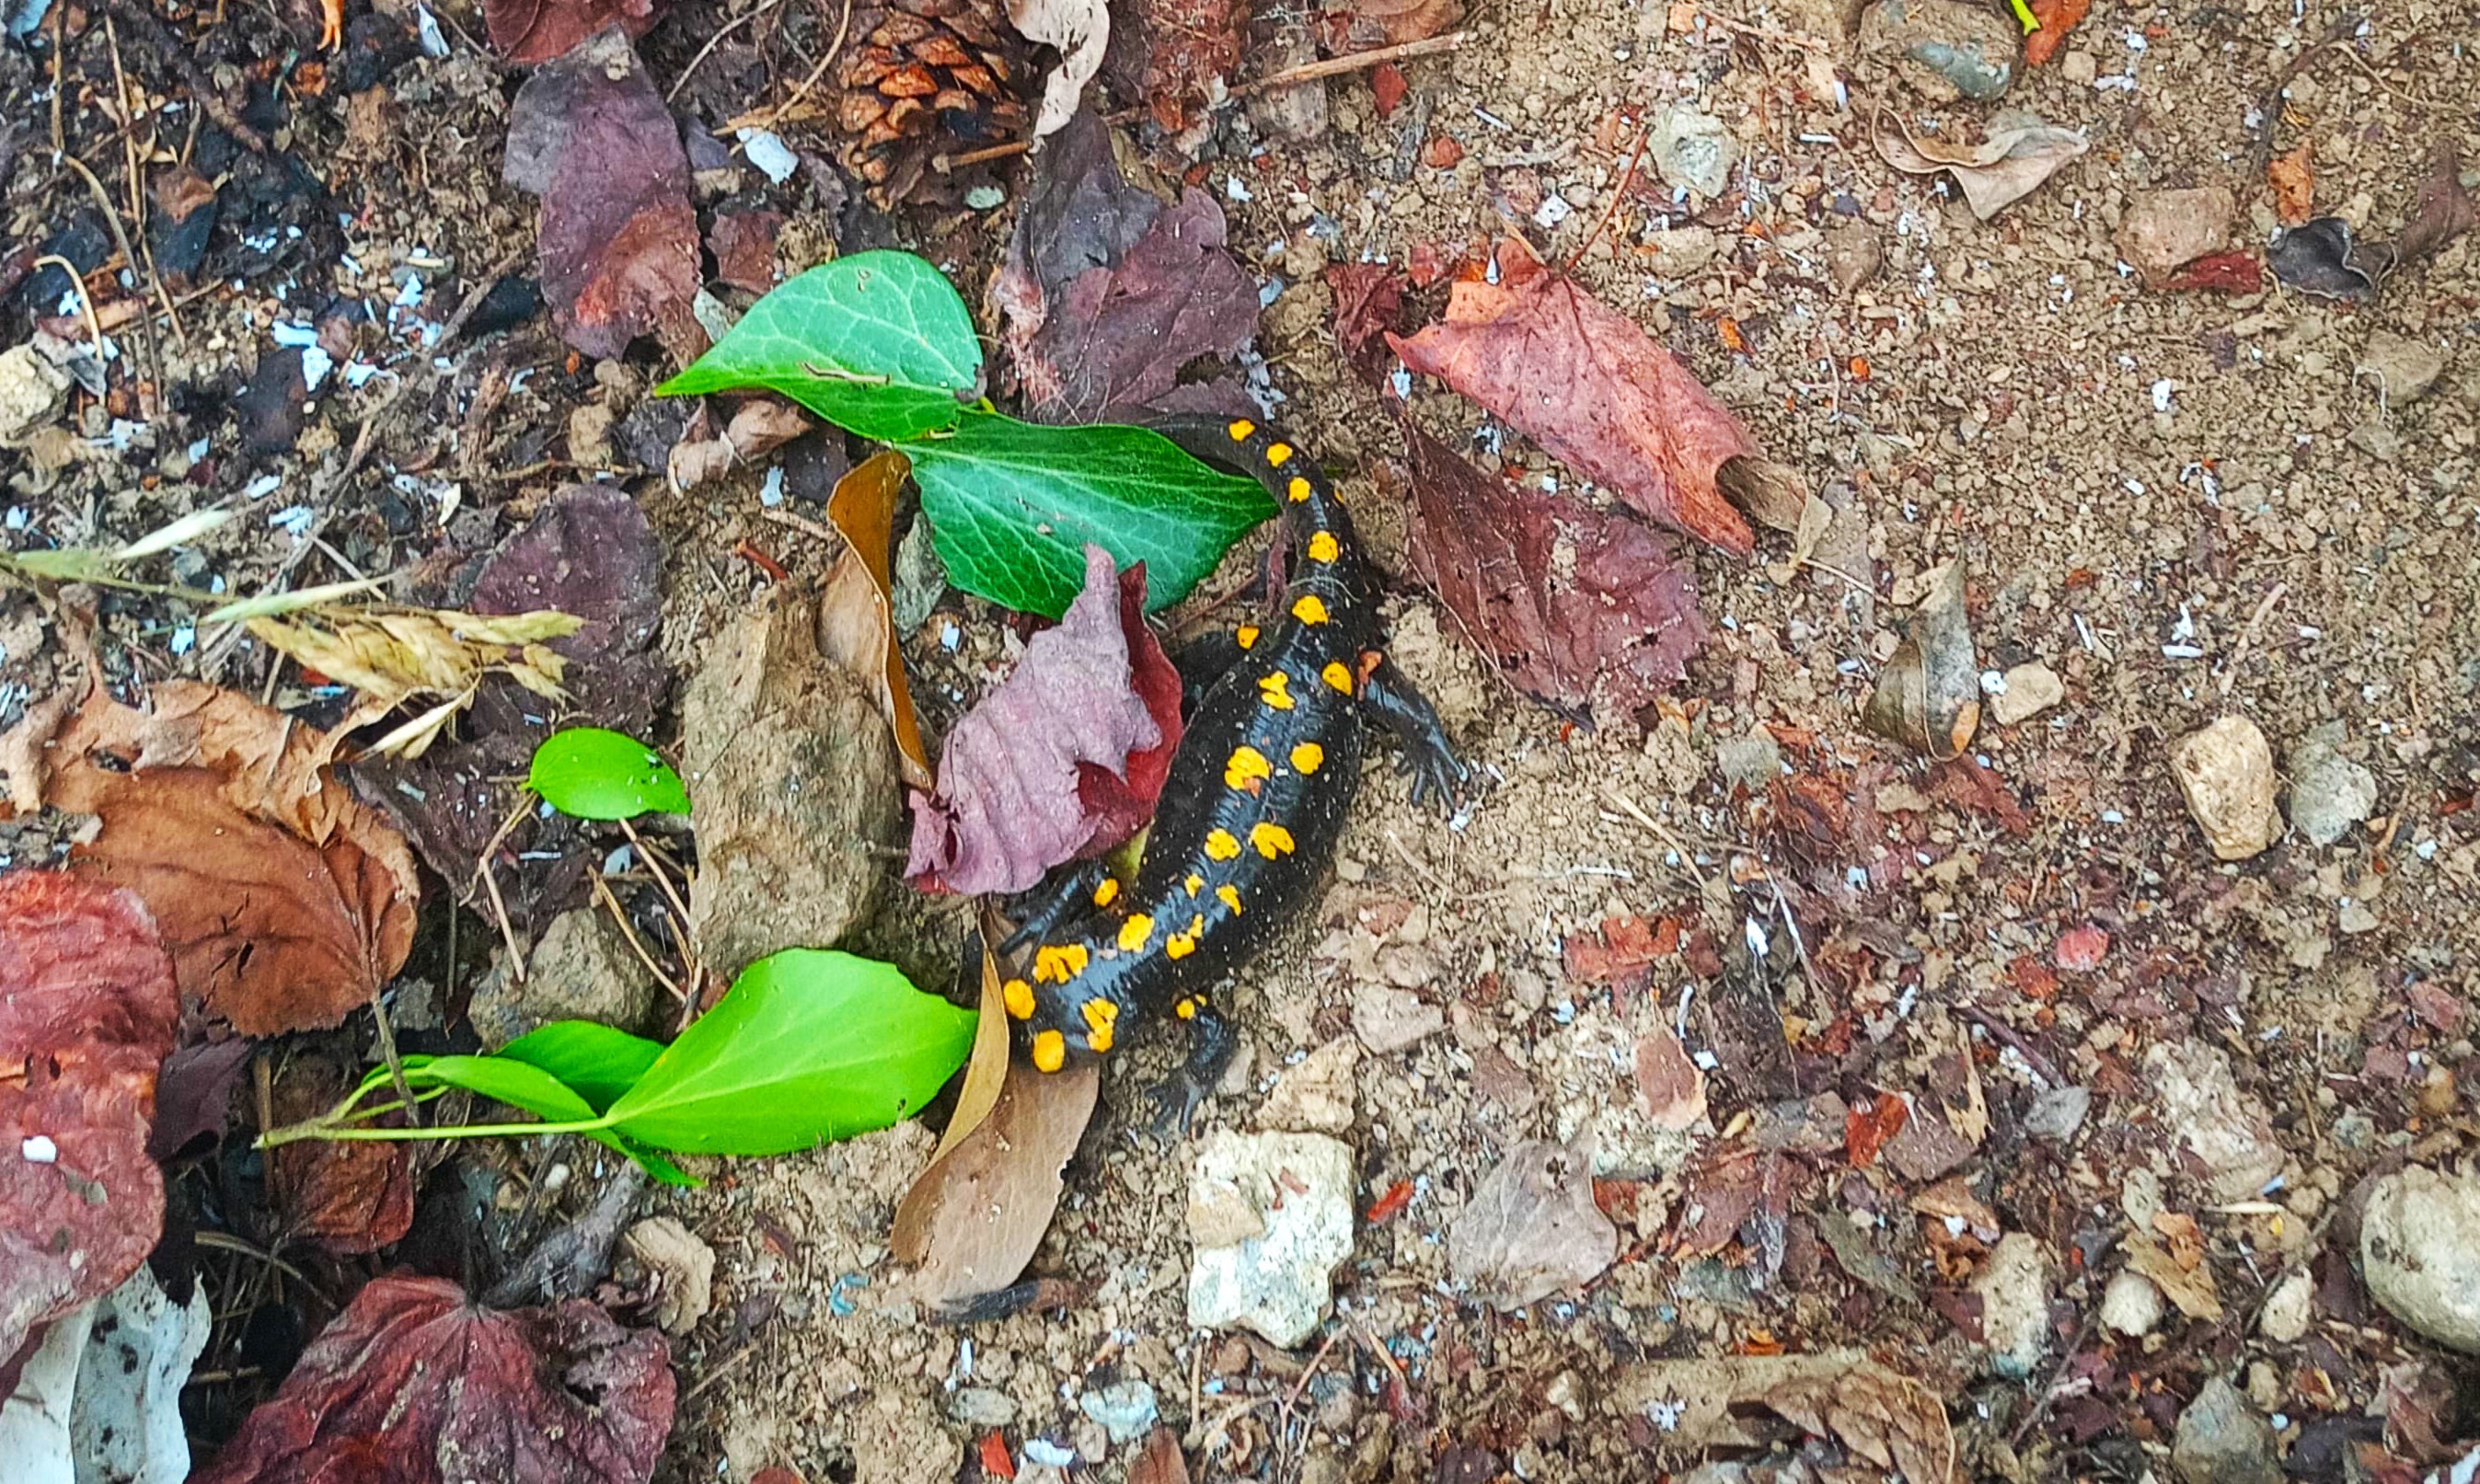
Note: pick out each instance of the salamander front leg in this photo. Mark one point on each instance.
(1211, 1042)
(1068, 896)
(1429, 754)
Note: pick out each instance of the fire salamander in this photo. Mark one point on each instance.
(1256, 797)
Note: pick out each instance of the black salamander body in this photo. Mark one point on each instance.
(1256, 793)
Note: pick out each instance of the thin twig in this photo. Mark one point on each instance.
(2247, 635)
(225, 1242)
(395, 1062)
(656, 868)
(129, 256)
(603, 894)
(1618, 193)
(720, 32)
(85, 300)
(835, 49)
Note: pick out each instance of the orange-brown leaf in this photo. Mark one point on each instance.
(973, 1218)
(857, 617)
(2293, 178)
(2058, 18)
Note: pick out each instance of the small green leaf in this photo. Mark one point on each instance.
(877, 343)
(596, 1061)
(808, 1047)
(1013, 504)
(501, 1081)
(589, 772)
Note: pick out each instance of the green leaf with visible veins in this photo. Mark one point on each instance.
(1013, 504)
(805, 1048)
(596, 1061)
(877, 343)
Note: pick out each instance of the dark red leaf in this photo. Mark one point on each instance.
(528, 32)
(1386, 80)
(86, 1012)
(1867, 1127)
(416, 1384)
(347, 1196)
(618, 246)
(2236, 271)
(1368, 305)
(193, 1093)
(744, 245)
(1123, 805)
(1566, 601)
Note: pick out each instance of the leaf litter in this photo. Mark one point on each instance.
(1532, 1228)
(2019, 151)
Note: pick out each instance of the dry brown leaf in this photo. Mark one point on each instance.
(857, 615)
(1890, 1418)
(973, 1218)
(349, 1196)
(759, 426)
(2194, 1291)
(2021, 152)
(986, 1072)
(1531, 1227)
(1369, 23)
(2293, 179)
(393, 654)
(1927, 697)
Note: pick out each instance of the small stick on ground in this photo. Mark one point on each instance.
(1618, 193)
(2247, 635)
(603, 894)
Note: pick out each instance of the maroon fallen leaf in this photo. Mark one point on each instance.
(528, 32)
(193, 1093)
(744, 245)
(1176, 55)
(1531, 1227)
(618, 246)
(2236, 271)
(1588, 385)
(1367, 23)
(590, 551)
(1567, 602)
(1108, 294)
(415, 1383)
(1008, 805)
(1368, 307)
(347, 1196)
(1669, 1082)
(86, 1012)
(1123, 803)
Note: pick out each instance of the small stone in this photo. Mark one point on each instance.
(2287, 1309)
(1683, 250)
(2222, 1127)
(1694, 149)
(2329, 792)
(1126, 1408)
(683, 1268)
(2404, 369)
(2079, 67)
(581, 969)
(2224, 1440)
(1278, 1283)
(981, 1406)
(2225, 772)
(1388, 1020)
(2420, 1253)
(1944, 49)
(2377, 439)
(2057, 1112)
(2164, 230)
(1751, 762)
(589, 435)
(1853, 255)
(2030, 689)
(1315, 1097)
(2014, 1291)
(32, 393)
(2131, 1305)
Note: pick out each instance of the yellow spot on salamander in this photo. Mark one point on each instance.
(1222, 845)
(1180, 945)
(1278, 454)
(1049, 1051)
(1271, 839)
(1056, 963)
(1017, 996)
(1307, 758)
(1299, 489)
(1324, 548)
(1185, 1009)
(1101, 1018)
(1136, 933)
(1246, 769)
(1106, 891)
(1247, 634)
(1241, 430)
(1335, 674)
(1309, 608)
(1195, 883)
(1275, 690)
(1229, 895)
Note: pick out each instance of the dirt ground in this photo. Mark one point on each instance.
(2183, 504)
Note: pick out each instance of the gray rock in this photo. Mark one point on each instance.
(32, 393)
(1944, 49)
(981, 1406)
(2014, 1291)
(1278, 1282)
(2225, 1129)
(1315, 1096)
(2225, 773)
(2403, 370)
(2329, 792)
(2057, 1112)
(2223, 1440)
(2420, 1253)
(1126, 1408)
(1389, 1020)
(2289, 1308)
(2131, 1305)
(1694, 149)
(1753, 763)
(583, 969)
(792, 776)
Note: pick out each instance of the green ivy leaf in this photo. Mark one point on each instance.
(596, 1061)
(1013, 504)
(806, 1047)
(877, 343)
(589, 772)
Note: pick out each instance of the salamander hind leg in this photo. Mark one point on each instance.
(1211, 1042)
(1428, 754)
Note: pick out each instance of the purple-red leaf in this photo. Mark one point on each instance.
(1009, 806)
(1565, 600)
(526, 32)
(86, 1013)
(1123, 804)
(416, 1384)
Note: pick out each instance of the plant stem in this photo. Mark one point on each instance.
(321, 1129)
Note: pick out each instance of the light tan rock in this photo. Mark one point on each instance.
(2226, 774)
(2164, 230)
(2030, 690)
